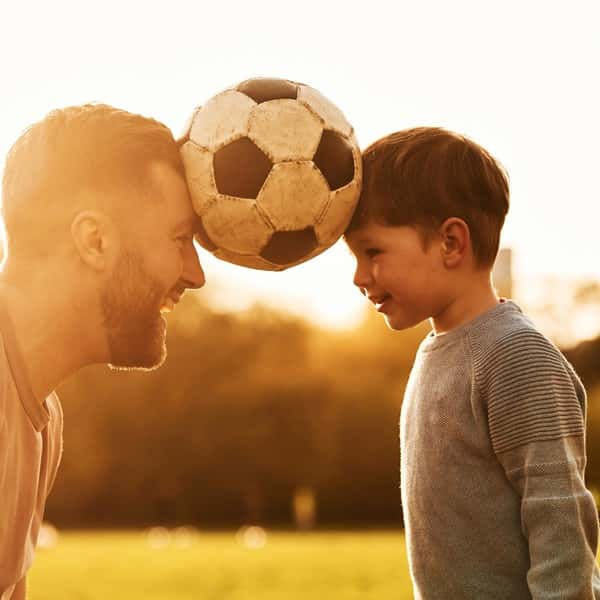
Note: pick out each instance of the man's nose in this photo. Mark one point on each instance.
(193, 274)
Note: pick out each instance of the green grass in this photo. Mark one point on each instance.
(215, 566)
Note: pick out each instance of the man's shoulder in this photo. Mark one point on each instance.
(4, 376)
(3, 356)
(55, 409)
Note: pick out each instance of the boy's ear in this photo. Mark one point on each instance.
(95, 239)
(456, 241)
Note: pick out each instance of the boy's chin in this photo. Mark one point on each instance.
(400, 322)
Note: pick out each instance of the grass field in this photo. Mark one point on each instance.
(218, 566)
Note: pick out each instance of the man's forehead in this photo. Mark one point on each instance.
(166, 178)
(169, 187)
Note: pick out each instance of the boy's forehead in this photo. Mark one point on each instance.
(365, 234)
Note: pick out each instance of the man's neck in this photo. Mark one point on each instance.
(479, 297)
(53, 341)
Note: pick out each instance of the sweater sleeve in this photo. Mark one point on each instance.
(536, 417)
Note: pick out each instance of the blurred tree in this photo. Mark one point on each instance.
(586, 359)
(566, 311)
(247, 408)
(586, 354)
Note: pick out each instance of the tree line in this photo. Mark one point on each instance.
(247, 409)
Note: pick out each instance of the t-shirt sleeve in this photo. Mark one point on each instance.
(536, 418)
(7, 582)
(12, 555)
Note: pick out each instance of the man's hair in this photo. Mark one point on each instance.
(423, 176)
(72, 151)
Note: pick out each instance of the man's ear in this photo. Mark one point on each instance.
(456, 241)
(94, 236)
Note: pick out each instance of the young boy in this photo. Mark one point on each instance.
(493, 421)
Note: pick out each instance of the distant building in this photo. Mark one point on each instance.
(502, 273)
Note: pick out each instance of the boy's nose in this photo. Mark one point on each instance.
(362, 278)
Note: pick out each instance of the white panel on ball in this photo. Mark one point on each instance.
(200, 176)
(288, 185)
(221, 119)
(188, 124)
(332, 116)
(285, 130)
(337, 216)
(235, 224)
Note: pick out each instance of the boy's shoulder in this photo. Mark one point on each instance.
(510, 343)
(491, 331)
(505, 326)
(506, 320)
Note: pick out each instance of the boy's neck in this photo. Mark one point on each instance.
(478, 297)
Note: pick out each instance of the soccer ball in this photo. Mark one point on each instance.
(274, 172)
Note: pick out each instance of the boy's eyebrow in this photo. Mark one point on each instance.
(363, 241)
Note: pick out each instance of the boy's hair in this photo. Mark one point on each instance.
(89, 148)
(425, 175)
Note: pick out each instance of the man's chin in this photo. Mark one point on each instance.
(141, 357)
(139, 364)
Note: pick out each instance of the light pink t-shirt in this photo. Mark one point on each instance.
(30, 450)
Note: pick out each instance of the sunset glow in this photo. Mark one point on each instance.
(519, 80)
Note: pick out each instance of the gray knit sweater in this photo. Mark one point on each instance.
(492, 467)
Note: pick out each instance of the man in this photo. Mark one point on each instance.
(99, 242)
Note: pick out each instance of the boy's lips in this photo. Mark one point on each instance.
(383, 306)
(380, 301)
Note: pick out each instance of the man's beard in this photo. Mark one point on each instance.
(131, 303)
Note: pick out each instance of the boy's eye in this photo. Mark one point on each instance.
(371, 252)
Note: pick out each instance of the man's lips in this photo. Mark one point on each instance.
(167, 307)
(169, 304)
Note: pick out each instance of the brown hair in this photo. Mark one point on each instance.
(423, 176)
(92, 147)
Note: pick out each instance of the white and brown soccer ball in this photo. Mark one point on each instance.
(274, 172)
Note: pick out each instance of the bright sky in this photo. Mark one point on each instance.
(521, 78)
